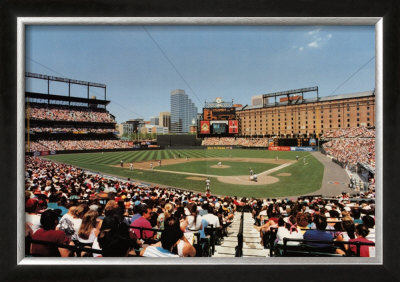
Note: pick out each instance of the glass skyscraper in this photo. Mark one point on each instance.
(183, 112)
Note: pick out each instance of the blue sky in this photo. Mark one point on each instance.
(232, 62)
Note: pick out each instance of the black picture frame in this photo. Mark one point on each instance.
(388, 10)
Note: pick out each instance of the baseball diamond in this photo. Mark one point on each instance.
(233, 180)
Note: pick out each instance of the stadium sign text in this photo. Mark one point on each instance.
(279, 148)
(303, 149)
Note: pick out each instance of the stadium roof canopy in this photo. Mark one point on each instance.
(54, 97)
(69, 82)
(347, 96)
(312, 100)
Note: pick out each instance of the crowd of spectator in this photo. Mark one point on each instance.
(360, 132)
(48, 129)
(65, 113)
(231, 141)
(315, 218)
(351, 146)
(67, 205)
(63, 145)
(352, 151)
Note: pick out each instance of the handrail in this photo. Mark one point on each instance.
(306, 229)
(145, 228)
(358, 244)
(195, 232)
(239, 247)
(76, 248)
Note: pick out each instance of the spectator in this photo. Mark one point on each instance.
(71, 222)
(369, 222)
(47, 232)
(193, 219)
(361, 234)
(348, 233)
(192, 222)
(170, 238)
(356, 216)
(319, 233)
(113, 238)
(167, 212)
(136, 212)
(32, 217)
(211, 218)
(288, 229)
(302, 221)
(56, 202)
(89, 228)
(143, 222)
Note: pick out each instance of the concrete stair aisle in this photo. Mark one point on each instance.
(251, 239)
(227, 248)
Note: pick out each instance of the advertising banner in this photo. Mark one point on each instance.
(204, 127)
(233, 126)
(44, 153)
(279, 148)
(302, 149)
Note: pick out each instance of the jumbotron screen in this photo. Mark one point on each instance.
(218, 127)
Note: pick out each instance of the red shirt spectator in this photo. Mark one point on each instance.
(49, 221)
(361, 232)
(144, 223)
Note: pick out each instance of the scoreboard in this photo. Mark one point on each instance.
(219, 119)
(219, 127)
(219, 113)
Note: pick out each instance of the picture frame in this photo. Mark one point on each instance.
(153, 269)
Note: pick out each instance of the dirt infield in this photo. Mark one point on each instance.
(245, 180)
(263, 178)
(196, 178)
(284, 174)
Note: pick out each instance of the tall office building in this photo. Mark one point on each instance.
(257, 100)
(183, 112)
(165, 119)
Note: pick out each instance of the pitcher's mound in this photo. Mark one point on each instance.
(244, 180)
(220, 166)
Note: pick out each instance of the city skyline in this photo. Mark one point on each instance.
(141, 65)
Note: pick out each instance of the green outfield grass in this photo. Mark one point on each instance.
(304, 178)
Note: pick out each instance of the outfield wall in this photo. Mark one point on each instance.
(183, 140)
(288, 148)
